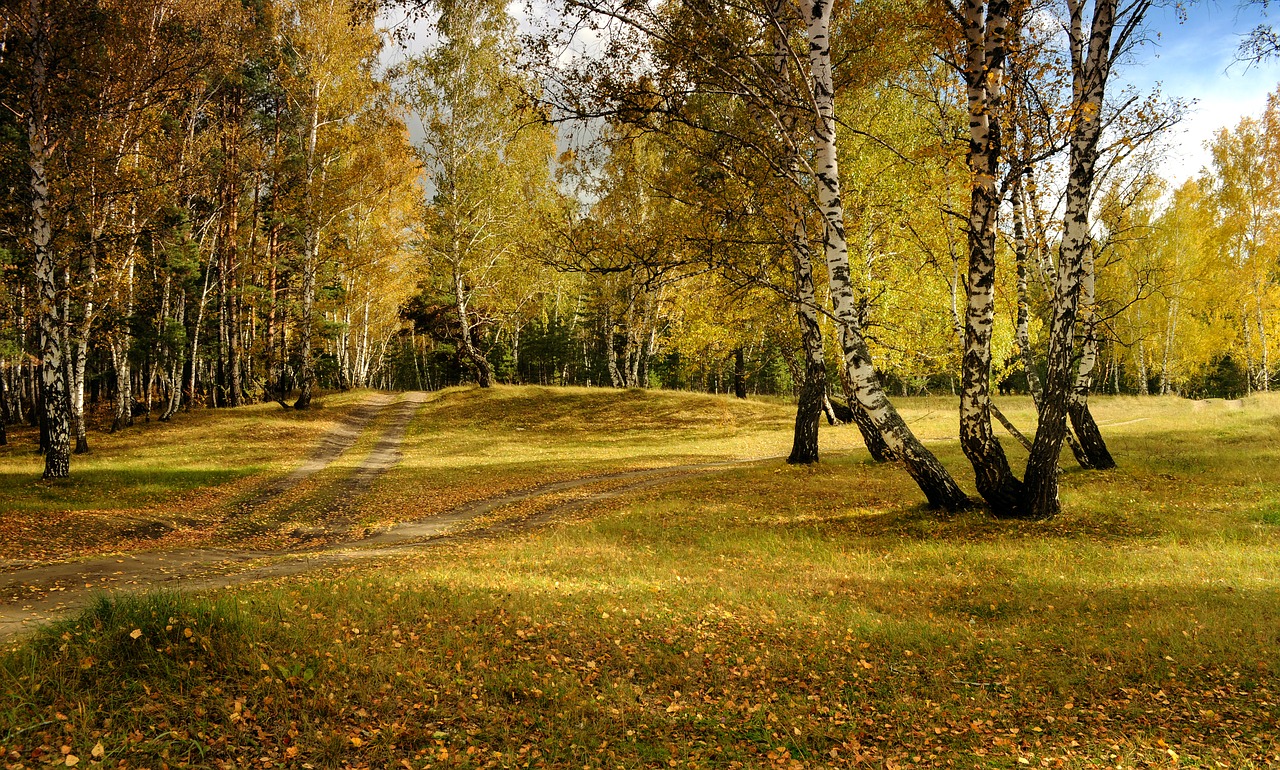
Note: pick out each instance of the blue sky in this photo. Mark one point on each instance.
(1197, 61)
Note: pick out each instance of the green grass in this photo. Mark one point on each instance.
(184, 474)
(764, 616)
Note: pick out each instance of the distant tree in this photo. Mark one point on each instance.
(486, 151)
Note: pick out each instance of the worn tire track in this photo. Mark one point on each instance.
(72, 585)
(332, 446)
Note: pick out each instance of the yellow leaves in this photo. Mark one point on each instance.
(135, 633)
(357, 741)
(98, 750)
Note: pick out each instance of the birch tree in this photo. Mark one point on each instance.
(987, 29)
(329, 80)
(933, 479)
(1092, 52)
(1245, 194)
(486, 152)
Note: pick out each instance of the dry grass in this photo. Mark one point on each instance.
(765, 616)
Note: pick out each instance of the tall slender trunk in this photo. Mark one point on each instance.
(195, 336)
(56, 412)
(1259, 318)
(484, 372)
(173, 359)
(1022, 333)
(1082, 422)
(121, 345)
(933, 479)
(985, 31)
(270, 389)
(1143, 376)
(4, 403)
(611, 352)
(228, 310)
(1091, 59)
(310, 261)
(739, 373)
(804, 445)
(1166, 382)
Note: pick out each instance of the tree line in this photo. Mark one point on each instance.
(217, 202)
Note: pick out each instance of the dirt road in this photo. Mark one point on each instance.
(36, 594)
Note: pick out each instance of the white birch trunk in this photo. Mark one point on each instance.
(985, 26)
(934, 480)
(56, 414)
(1091, 61)
(310, 259)
(1166, 382)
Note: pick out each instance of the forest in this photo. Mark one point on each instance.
(610, 384)
(210, 204)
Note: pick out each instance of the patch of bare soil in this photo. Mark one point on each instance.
(31, 596)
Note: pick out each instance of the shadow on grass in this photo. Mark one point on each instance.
(112, 488)
(602, 410)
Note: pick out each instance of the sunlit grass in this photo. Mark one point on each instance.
(764, 615)
(188, 469)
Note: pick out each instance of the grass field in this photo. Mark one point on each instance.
(758, 616)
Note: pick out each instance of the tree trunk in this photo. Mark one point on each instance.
(484, 373)
(1022, 334)
(933, 479)
(1264, 363)
(175, 364)
(983, 73)
(82, 353)
(121, 345)
(739, 373)
(1082, 422)
(804, 445)
(1089, 77)
(4, 404)
(56, 418)
(611, 352)
(310, 263)
(1143, 376)
(1166, 382)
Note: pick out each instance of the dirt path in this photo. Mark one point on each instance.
(331, 447)
(386, 453)
(29, 597)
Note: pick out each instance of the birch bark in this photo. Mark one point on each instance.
(56, 412)
(1091, 64)
(1082, 422)
(310, 259)
(1166, 382)
(939, 488)
(986, 29)
(1022, 333)
(484, 372)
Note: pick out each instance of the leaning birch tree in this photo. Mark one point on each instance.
(1093, 48)
(929, 474)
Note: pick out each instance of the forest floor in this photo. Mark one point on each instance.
(566, 577)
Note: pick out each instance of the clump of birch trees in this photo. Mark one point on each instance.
(218, 202)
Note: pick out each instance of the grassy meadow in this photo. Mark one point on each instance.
(759, 615)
